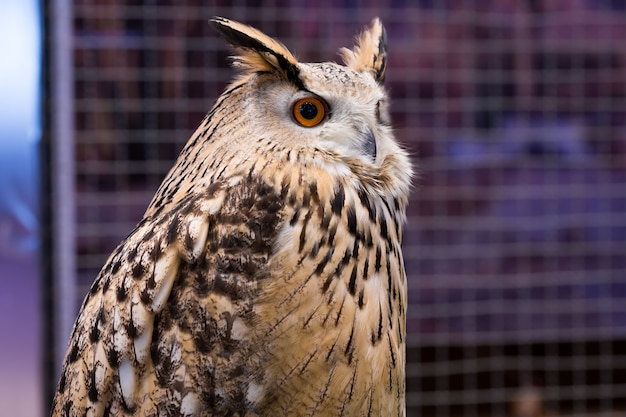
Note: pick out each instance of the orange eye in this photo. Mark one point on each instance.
(309, 111)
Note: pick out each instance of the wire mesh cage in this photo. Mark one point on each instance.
(515, 247)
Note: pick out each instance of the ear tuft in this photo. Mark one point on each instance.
(370, 52)
(256, 50)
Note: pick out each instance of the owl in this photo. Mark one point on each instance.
(266, 277)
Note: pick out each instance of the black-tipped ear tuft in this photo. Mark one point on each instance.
(370, 52)
(257, 51)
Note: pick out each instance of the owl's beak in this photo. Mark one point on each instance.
(369, 143)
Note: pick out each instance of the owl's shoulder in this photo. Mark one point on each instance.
(197, 257)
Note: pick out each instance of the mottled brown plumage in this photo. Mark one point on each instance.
(266, 278)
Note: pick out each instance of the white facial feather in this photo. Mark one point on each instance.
(353, 100)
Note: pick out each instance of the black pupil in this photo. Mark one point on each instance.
(308, 110)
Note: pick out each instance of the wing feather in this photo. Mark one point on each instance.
(162, 327)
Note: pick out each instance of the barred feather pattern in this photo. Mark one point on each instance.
(266, 278)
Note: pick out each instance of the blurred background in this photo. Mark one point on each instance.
(515, 112)
(21, 277)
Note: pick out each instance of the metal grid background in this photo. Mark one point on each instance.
(516, 240)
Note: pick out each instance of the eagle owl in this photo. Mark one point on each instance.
(266, 276)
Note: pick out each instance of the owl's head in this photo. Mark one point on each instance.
(338, 111)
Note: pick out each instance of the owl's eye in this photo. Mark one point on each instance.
(309, 111)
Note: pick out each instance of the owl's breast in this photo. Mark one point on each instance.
(331, 314)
